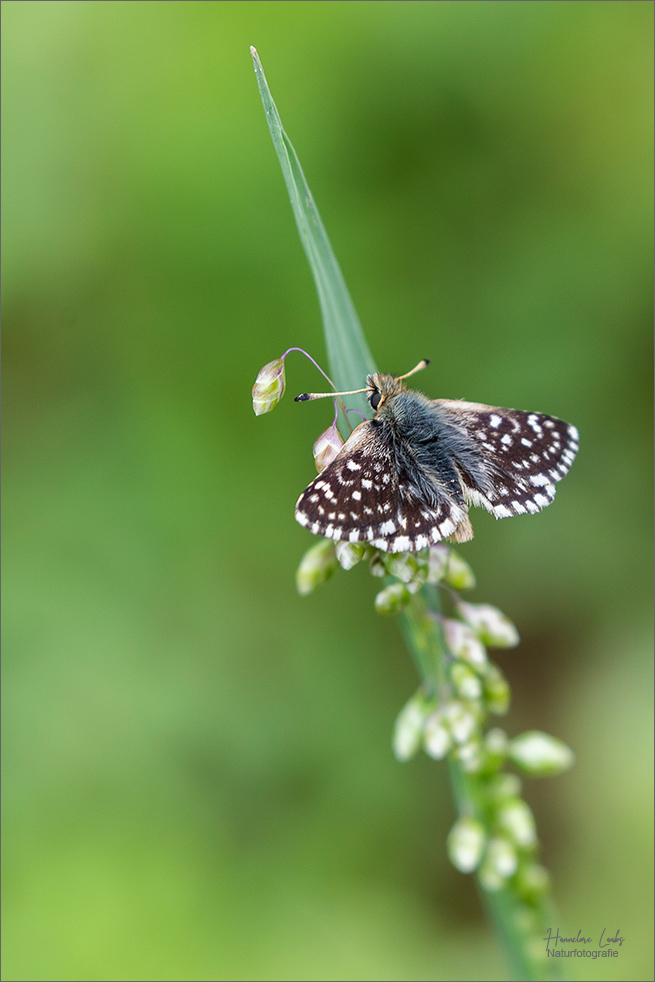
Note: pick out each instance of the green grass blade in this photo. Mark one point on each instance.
(349, 356)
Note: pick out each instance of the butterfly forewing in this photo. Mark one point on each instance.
(510, 460)
(362, 497)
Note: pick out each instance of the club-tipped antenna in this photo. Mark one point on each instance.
(307, 396)
(424, 362)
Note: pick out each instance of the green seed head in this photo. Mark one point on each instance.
(269, 387)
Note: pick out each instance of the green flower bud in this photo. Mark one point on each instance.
(409, 567)
(540, 754)
(489, 624)
(458, 572)
(515, 818)
(326, 447)
(463, 643)
(466, 682)
(466, 844)
(438, 557)
(316, 566)
(528, 922)
(471, 756)
(392, 599)
(505, 785)
(459, 719)
(378, 564)
(409, 725)
(269, 387)
(436, 736)
(532, 881)
(500, 862)
(496, 690)
(495, 746)
(349, 553)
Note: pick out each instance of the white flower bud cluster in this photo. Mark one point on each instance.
(437, 566)
(502, 846)
(501, 841)
(501, 849)
(476, 686)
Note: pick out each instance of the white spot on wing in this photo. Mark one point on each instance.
(534, 424)
(500, 511)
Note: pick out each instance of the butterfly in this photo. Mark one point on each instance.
(406, 478)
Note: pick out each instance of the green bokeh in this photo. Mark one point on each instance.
(197, 767)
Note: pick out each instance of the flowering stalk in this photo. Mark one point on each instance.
(460, 688)
(495, 833)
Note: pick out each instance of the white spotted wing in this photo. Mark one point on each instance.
(508, 460)
(362, 497)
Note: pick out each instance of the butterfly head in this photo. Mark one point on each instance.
(380, 388)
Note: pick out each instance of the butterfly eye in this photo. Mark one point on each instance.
(374, 399)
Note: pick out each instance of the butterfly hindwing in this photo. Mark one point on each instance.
(509, 461)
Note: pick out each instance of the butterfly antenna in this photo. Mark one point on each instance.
(307, 396)
(421, 365)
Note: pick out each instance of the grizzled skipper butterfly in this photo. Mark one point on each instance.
(405, 479)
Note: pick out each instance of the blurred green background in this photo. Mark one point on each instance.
(197, 766)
